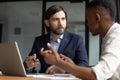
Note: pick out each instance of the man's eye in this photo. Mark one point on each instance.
(63, 18)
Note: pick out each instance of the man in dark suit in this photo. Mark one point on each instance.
(66, 43)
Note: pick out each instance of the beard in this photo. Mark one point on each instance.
(58, 31)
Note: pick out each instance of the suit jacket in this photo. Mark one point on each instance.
(72, 45)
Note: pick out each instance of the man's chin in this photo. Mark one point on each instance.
(60, 32)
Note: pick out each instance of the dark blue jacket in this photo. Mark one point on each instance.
(72, 45)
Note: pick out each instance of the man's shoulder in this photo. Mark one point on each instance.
(73, 34)
(42, 37)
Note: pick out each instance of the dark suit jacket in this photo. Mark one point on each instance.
(72, 45)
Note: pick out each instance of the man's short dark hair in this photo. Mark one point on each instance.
(109, 5)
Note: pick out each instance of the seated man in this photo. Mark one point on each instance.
(64, 42)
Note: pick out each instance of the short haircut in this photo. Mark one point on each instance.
(51, 11)
(109, 5)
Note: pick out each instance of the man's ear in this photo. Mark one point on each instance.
(46, 23)
(98, 17)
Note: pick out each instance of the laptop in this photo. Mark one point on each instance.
(10, 59)
(11, 64)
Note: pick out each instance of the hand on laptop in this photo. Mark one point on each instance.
(54, 69)
(31, 61)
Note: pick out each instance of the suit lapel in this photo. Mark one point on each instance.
(46, 40)
(64, 42)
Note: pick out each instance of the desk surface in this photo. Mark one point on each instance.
(19, 78)
(3, 77)
(6, 77)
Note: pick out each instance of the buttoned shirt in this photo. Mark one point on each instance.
(108, 68)
(56, 44)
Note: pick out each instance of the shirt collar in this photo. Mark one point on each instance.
(110, 30)
(59, 39)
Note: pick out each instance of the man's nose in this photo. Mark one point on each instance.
(60, 22)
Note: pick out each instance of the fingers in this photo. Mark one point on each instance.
(34, 55)
(54, 69)
(43, 52)
(54, 51)
(34, 58)
(51, 51)
(50, 56)
(50, 70)
(31, 61)
(65, 58)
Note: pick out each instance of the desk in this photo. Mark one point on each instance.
(6, 77)
(3, 77)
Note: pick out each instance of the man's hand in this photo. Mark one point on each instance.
(54, 69)
(67, 59)
(31, 61)
(51, 56)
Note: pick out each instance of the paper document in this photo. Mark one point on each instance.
(54, 76)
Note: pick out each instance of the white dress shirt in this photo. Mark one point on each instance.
(108, 68)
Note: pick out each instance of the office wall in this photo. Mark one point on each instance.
(22, 23)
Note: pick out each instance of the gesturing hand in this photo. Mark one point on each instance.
(31, 61)
(51, 56)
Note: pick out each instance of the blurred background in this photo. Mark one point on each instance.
(22, 21)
